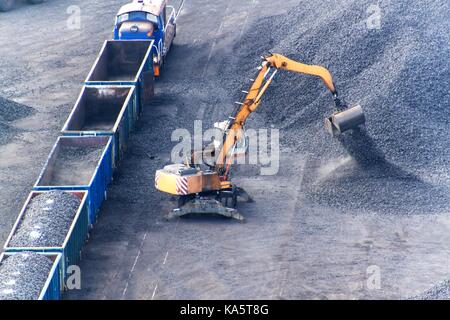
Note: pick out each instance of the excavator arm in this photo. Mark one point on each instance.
(266, 72)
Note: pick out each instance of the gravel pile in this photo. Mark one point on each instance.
(11, 111)
(75, 165)
(439, 292)
(47, 220)
(22, 276)
(6, 133)
(399, 73)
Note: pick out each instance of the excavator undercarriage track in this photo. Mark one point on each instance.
(221, 203)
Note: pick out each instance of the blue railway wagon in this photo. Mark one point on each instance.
(75, 238)
(53, 287)
(97, 182)
(104, 111)
(125, 62)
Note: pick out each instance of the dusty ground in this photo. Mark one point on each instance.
(295, 244)
(43, 67)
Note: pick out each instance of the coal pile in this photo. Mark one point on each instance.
(47, 220)
(11, 111)
(438, 292)
(23, 276)
(75, 165)
(398, 163)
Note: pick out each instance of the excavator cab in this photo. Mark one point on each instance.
(241, 147)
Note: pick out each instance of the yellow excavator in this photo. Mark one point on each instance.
(209, 190)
